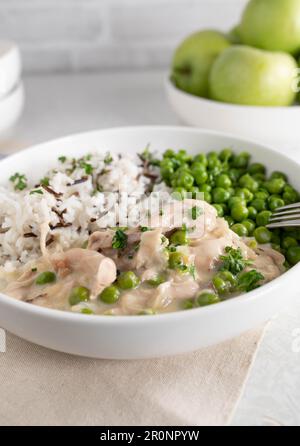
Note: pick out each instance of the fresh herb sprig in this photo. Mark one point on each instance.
(19, 181)
(119, 240)
(233, 261)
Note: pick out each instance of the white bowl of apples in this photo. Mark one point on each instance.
(244, 82)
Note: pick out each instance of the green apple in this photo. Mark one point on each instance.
(249, 76)
(272, 25)
(193, 59)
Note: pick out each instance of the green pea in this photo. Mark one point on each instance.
(219, 209)
(241, 160)
(225, 155)
(293, 254)
(110, 295)
(45, 277)
(250, 225)
(179, 193)
(259, 177)
(212, 155)
(169, 153)
(248, 182)
(229, 220)
(206, 298)
(292, 232)
(234, 174)
(166, 169)
(223, 181)
(220, 195)
(275, 186)
(290, 197)
(276, 237)
(223, 282)
(235, 200)
(128, 280)
(201, 177)
(277, 174)
(275, 203)
(244, 193)
(262, 194)
(262, 235)
(198, 167)
(207, 197)
(252, 213)
(179, 238)
(188, 304)
(288, 242)
(185, 179)
(263, 218)
(176, 260)
(201, 158)
(214, 163)
(79, 294)
(239, 212)
(205, 188)
(157, 280)
(256, 168)
(87, 311)
(239, 229)
(182, 156)
(259, 204)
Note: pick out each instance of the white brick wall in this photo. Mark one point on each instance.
(64, 35)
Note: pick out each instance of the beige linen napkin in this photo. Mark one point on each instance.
(42, 387)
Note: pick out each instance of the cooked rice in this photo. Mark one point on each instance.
(73, 204)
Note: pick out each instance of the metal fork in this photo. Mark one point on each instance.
(285, 216)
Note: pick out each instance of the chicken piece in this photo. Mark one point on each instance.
(102, 240)
(269, 263)
(89, 265)
(151, 251)
(18, 288)
(99, 240)
(134, 301)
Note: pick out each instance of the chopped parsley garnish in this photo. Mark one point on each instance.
(144, 229)
(45, 181)
(62, 159)
(88, 168)
(195, 212)
(108, 158)
(36, 191)
(34, 270)
(20, 181)
(233, 261)
(249, 281)
(119, 240)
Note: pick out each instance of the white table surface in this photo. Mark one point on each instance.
(58, 105)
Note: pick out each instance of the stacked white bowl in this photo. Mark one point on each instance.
(11, 87)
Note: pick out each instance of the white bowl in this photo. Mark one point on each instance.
(127, 337)
(10, 67)
(271, 125)
(11, 107)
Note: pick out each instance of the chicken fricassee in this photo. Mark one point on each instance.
(61, 249)
(148, 271)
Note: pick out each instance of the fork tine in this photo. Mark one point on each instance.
(284, 224)
(288, 206)
(283, 217)
(290, 212)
